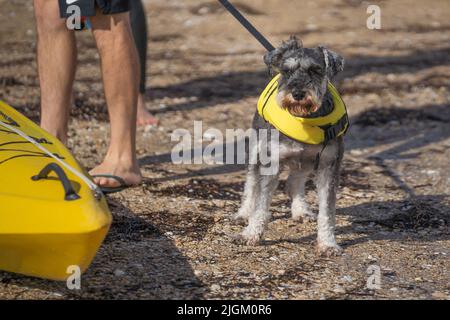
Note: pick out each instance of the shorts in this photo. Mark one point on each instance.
(88, 7)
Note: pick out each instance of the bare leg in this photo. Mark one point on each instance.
(296, 187)
(120, 68)
(144, 117)
(56, 51)
(139, 28)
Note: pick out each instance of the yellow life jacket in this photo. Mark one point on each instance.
(307, 130)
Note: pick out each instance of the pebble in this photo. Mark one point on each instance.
(138, 266)
(391, 77)
(204, 10)
(356, 152)
(119, 273)
(311, 27)
(347, 278)
(148, 128)
(198, 273)
(215, 287)
(394, 289)
(281, 272)
(440, 295)
(339, 289)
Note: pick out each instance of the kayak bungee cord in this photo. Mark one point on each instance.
(97, 192)
(25, 153)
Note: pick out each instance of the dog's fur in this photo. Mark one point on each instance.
(303, 92)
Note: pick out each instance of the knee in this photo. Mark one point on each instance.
(47, 17)
(111, 30)
(108, 41)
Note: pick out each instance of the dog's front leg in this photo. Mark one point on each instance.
(327, 184)
(260, 217)
(251, 191)
(296, 189)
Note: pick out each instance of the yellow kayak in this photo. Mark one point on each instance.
(52, 216)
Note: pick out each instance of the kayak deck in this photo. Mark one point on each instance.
(42, 233)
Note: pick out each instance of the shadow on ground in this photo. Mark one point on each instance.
(136, 261)
(399, 123)
(421, 218)
(234, 86)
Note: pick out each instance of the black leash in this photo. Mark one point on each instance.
(247, 25)
(266, 44)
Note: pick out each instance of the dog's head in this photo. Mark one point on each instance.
(304, 73)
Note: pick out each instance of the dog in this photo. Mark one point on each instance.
(304, 81)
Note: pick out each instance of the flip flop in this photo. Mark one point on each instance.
(109, 190)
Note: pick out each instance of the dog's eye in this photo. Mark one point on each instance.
(315, 70)
(287, 71)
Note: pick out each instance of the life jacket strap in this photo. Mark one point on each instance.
(332, 131)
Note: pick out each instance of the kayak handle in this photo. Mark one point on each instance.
(70, 193)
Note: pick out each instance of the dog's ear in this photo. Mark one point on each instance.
(274, 58)
(334, 63)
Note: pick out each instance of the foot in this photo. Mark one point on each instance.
(245, 239)
(242, 215)
(130, 174)
(301, 212)
(144, 118)
(252, 235)
(329, 250)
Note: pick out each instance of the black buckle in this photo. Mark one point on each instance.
(332, 131)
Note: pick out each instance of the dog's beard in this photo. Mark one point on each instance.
(299, 108)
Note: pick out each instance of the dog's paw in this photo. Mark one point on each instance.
(252, 236)
(303, 214)
(328, 251)
(252, 241)
(242, 239)
(236, 238)
(241, 217)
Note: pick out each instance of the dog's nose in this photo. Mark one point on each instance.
(300, 95)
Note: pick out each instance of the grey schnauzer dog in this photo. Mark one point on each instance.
(303, 92)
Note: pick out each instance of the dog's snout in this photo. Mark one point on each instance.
(299, 95)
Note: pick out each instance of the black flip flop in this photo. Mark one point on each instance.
(109, 190)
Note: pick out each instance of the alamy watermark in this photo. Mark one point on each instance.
(227, 148)
(73, 21)
(74, 280)
(374, 280)
(374, 20)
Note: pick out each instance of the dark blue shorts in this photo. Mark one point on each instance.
(88, 7)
